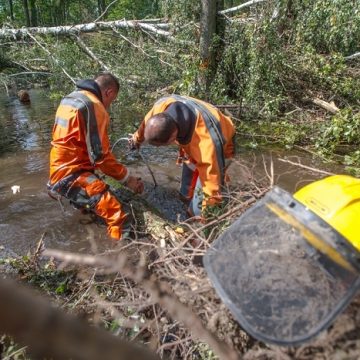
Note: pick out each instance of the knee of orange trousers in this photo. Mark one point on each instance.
(109, 208)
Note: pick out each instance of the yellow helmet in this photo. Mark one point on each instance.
(335, 199)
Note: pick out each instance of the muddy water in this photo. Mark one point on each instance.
(29, 215)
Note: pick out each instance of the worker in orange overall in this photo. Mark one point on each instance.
(80, 145)
(205, 137)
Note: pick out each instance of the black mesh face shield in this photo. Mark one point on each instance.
(282, 271)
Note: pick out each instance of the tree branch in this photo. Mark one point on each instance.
(52, 57)
(239, 7)
(353, 56)
(83, 28)
(87, 51)
(159, 291)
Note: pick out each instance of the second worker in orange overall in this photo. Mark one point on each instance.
(205, 137)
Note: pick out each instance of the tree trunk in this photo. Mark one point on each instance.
(207, 31)
(101, 6)
(33, 13)
(90, 27)
(26, 11)
(11, 9)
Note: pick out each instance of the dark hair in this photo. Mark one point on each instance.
(106, 80)
(159, 128)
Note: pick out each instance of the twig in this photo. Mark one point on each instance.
(239, 7)
(88, 51)
(105, 11)
(306, 167)
(51, 56)
(158, 290)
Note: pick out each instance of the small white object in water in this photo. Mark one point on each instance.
(15, 189)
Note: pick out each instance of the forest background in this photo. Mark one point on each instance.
(288, 69)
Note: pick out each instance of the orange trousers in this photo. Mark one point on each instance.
(89, 192)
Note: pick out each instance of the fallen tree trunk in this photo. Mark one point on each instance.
(239, 7)
(84, 28)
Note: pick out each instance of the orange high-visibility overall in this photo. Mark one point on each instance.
(203, 153)
(80, 145)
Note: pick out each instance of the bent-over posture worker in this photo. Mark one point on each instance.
(205, 137)
(80, 145)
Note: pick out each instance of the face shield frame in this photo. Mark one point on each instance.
(319, 250)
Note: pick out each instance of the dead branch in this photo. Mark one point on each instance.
(159, 291)
(84, 28)
(49, 333)
(306, 167)
(52, 57)
(105, 11)
(88, 52)
(353, 56)
(239, 7)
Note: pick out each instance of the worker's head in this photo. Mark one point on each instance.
(109, 87)
(160, 130)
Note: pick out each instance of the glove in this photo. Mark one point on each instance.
(135, 184)
(132, 143)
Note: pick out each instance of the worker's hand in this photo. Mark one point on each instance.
(135, 184)
(133, 144)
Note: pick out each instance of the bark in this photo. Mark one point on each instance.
(239, 7)
(26, 12)
(33, 13)
(50, 333)
(207, 31)
(11, 9)
(90, 27)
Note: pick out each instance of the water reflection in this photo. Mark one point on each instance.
(25, 126)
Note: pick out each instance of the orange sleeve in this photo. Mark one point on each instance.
(108, 163)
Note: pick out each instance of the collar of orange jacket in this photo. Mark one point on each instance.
(185, 120)
(90, 85)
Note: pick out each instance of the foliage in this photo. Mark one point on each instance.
(341, 136)
(270, 62)
(133, 9)
(328, 25)
(46, 277)
(343, 129)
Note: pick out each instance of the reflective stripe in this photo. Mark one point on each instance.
(82, 103)
(91, 178)
(61, 122)
(212, 124)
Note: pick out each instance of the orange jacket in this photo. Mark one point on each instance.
(80, 140)
(201, 150)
